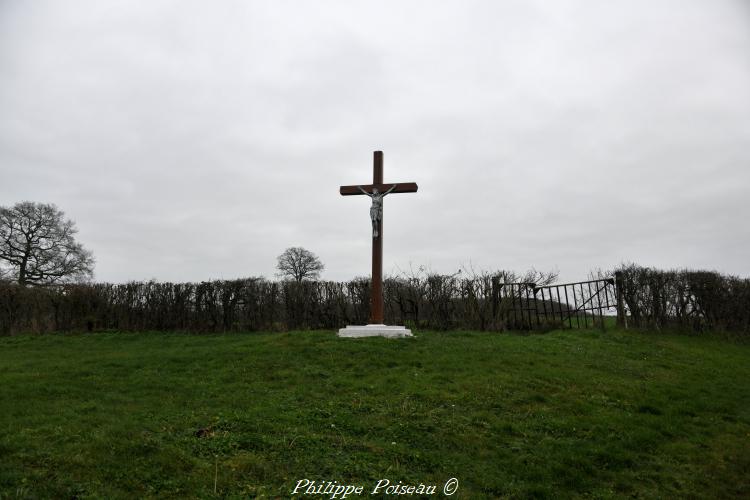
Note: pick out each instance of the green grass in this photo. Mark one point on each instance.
(564, 414)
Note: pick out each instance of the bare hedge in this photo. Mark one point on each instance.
(252, 304)
(691, 300)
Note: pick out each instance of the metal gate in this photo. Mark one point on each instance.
(524, 306)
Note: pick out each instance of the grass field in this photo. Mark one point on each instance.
(564, 414)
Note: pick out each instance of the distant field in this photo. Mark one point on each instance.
(564, 414)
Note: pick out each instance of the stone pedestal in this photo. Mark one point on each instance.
(375, 331)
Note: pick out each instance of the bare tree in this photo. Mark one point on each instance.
(38, 247)
(299, 264)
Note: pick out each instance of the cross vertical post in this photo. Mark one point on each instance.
(376, 300)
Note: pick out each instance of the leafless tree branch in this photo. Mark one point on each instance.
(299, 264)
(38, 246)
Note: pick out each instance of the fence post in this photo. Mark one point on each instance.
(495, 296)
(622, 320)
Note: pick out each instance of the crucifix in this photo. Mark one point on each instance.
(377, 191)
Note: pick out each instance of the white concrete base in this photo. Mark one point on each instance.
(375, 331)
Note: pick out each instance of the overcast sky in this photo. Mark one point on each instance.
(197, 140)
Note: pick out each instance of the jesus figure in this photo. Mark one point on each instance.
(376, 210)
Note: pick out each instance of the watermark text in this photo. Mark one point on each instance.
(335, 490)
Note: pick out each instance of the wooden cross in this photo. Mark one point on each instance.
(376, 300)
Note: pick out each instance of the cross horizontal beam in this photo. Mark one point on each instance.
(406, 187)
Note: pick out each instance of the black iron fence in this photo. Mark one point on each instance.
(574, 305)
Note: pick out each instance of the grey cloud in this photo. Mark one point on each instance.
(194, 141)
